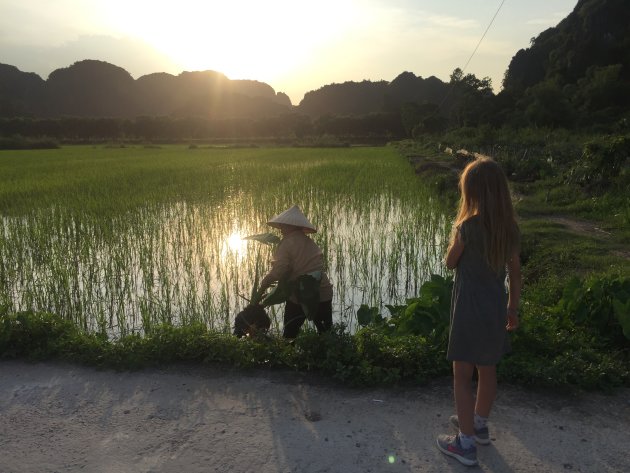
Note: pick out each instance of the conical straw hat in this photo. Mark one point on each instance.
(295, 217)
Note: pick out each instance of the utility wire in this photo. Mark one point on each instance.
(473, 53)
(483, 36)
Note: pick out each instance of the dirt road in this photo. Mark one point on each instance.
(65, 418)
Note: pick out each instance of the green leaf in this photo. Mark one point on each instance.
(622, 312)
(367, 315)
(396, 310)
(278, 294)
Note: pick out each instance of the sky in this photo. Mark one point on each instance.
(295, 46)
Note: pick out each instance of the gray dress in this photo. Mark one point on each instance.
(478, 304)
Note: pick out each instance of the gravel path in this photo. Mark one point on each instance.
(65, 418)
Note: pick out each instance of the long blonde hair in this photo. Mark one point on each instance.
(484, 192)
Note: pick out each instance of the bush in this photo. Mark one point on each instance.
(33, 335)
(552, 351)
(568, 341)
(427, 315)
(600, 305)
(601, 161)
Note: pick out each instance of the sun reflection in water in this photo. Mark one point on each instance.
(236, 244)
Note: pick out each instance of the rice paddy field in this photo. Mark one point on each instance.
(121, 239)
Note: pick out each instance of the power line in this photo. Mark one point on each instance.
(483, 36)
(474, 51)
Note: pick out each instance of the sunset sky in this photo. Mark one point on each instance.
(293, 45)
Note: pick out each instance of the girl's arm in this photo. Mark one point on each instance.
(514, 288)
(455, 250)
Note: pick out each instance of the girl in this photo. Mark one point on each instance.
(484, 242)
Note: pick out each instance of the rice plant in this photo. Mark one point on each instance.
(122, 240)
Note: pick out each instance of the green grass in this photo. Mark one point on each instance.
(120, 179)
(555, 250)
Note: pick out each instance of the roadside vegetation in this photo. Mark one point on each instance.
(571, 194)
(125, 252)
(575, 311)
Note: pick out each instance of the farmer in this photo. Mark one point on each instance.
(298, 264)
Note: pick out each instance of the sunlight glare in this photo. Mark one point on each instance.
(244, 39)
(236, 244)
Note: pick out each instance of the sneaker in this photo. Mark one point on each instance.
(482, 436)
(449, 445)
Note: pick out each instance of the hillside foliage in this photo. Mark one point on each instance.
(575, 75)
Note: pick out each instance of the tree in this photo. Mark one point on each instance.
(422, 118)
(547, 106)
(602, 87)
(469, 98)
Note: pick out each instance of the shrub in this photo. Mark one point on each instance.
(553, 352)
(600, 304)
(427, 315)
(33, 335)
(602, 160)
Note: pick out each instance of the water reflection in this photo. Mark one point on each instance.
(181, 263)
(235, 244)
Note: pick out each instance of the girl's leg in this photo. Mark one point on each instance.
(486, 389)
(464, 400)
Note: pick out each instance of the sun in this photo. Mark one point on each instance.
(244, 39)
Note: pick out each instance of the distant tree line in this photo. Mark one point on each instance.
(374, 127)
(575, 75)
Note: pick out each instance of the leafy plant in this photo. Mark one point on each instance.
(601, 161)
(427, 315)
(367, 315)
(600, 303)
